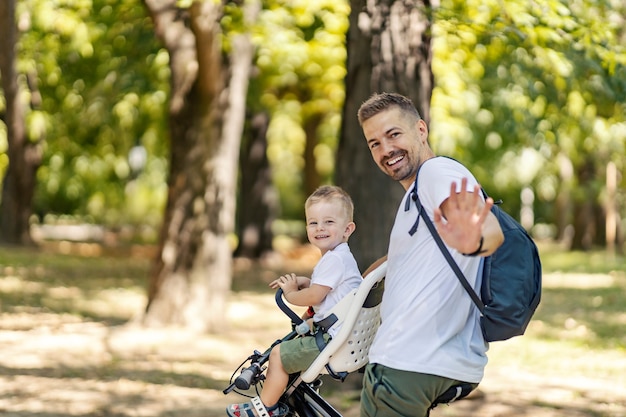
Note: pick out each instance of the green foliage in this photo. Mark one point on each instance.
(301, 61)
(104, 85)
(523, 87)
(527, 93)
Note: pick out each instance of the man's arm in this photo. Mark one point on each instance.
(469, 227)
(375, 265)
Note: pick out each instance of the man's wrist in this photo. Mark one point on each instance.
(477, 251)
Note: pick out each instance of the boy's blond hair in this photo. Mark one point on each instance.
(332, 192)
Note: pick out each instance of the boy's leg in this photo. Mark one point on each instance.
(286, 358)
(276, 379)
(391, 392)
(298, 354)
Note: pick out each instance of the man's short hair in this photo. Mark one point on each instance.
(380, 102)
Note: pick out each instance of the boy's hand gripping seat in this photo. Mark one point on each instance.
(358, 314)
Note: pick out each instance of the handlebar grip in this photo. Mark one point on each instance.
(295, 319)
(244, 380)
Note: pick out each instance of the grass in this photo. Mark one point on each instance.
(555, 260)
(576, 341)
(85, 287)
(582, 305)
(584, 295)
(583, 299)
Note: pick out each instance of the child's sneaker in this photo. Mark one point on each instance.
(255, 408)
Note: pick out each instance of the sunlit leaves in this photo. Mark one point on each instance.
(104, 86)
(301, 57)
(518, 84)
(550, 78)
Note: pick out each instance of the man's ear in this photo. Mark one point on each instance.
(422, 128)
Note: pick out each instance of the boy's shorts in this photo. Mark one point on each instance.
(298, 354)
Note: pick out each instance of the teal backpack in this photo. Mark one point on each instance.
(511, 277)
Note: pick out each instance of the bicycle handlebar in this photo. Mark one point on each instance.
(295, 319)
(254, 373)
(244, 380)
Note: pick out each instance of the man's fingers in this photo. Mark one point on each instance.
(460, 198)
(476, 195)
(454, 199)
(437, 215)
(463, 191)
(486, 209)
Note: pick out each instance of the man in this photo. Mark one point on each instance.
(430, 337)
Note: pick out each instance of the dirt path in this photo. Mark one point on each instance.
(58, 365)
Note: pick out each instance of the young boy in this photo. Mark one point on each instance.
(328, 226)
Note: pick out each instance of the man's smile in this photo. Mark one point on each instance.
(395, 160)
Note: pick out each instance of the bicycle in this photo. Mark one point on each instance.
(359, 316)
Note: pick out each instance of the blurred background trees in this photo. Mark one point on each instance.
(23, 153)
(150, 120)
(539, 88)
(191, 276)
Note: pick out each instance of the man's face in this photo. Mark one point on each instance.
(396, 142)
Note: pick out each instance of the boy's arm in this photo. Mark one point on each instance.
(303, 282)
(309, 296)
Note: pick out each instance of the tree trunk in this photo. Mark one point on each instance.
(312, 178)
(258, 204)
(563, 207)
(389, 49)
(192, 274)
(19, 182)
(585, 225)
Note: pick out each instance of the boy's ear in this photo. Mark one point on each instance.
(350, 228)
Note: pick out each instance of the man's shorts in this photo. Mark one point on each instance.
(391, 392)
(298, 354)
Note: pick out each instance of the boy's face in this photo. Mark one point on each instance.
(327, 225)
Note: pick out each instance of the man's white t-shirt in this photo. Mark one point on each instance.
(338, 270)
(429, 323)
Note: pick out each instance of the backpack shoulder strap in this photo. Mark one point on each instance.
(442, 247)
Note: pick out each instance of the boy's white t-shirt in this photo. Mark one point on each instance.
(429, 323)
(338, 270)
